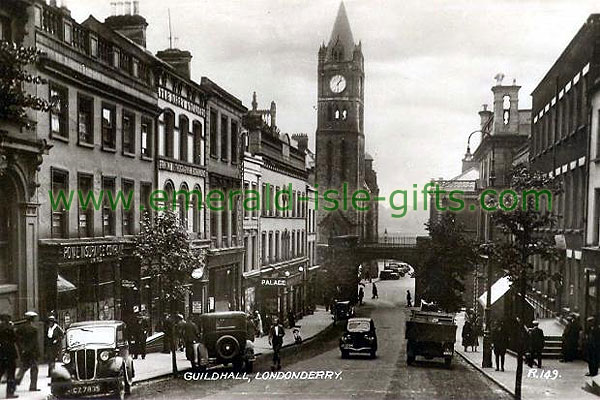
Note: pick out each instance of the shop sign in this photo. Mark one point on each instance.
(182, 102)
(181, 168)
(272, 282)
(196, 307)
(91, 251)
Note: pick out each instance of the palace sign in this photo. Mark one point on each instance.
(272, 282)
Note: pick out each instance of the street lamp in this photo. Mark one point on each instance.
(486, 361)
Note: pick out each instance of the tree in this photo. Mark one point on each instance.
(165, 253)
(14, 101)
(520, 217)
(449, 257)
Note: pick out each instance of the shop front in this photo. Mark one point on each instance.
(82, 280)
(224, 281)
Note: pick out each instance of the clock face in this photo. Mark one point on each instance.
(337, 84)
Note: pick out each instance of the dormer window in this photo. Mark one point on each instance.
(68, 33)
(93, 46)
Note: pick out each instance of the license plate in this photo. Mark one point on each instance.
(447, 353)
(87, 389)
(346, 346)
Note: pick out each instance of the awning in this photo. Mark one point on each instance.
(63, 285)
(499, 289)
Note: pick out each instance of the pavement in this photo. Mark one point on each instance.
(158, 365)
(555, 380)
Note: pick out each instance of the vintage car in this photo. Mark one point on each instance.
(342, 310)
(95, 361)
(359, 337)
(388, 274)
(430, 334)
(223, 340)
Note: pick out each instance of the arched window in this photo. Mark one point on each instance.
(169, 191)
(169, 132)
(196, 203)
(182, 205)
(183, 137)
(344, 114)
(337, 114)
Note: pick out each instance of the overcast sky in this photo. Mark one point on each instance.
(429, 64)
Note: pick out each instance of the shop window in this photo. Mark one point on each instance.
(128, 129)
(60, 187)
(108, 212)
(213, 133)
(183, 138)
(109, 131)
(128, 190)
(146, 137)
(59, 96)
(234, 142)
(224, 138)
(85, 119)
(86, 216)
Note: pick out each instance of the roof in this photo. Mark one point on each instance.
(361, 319)
(341, 34)
(368, 157)
(96, 323)
(471, 174)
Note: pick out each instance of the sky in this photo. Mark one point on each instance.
(429, 66)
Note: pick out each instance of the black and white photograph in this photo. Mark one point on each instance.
(299, 199)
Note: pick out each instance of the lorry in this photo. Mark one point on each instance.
(430, 334)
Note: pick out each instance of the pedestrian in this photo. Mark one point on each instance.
(467, 334)
(27, 340)
(166, 326)
(140, 334)
(276, 335)
(408, 299)
(569, 341)
(259, 324)
(250, 328)
(592, 346)
(291, 318)
(361, 295)
(500, 343)
(53, 340)
(536, 343)
(375, 294)
(8, 355)
(476, 331)
(190, 336)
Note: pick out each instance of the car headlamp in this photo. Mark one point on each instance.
(66, 358)
(105, 355)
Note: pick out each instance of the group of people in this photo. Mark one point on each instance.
(22, 343)
(471, 331)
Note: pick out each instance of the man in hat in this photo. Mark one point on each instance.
(8, 354)
(276, 335)
(536, 341)
(53, 339)
(28, 346)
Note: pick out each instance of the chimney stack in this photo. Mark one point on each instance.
(302, 140)
(178, 59)
(126, 20)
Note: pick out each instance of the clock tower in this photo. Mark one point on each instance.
(340, 137)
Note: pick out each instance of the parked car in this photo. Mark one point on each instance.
(96, 361)
(359, 337)
(223, 340)
(387, 274)
(342, 310)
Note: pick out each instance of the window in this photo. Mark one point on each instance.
(146, 137)
(108, 127)
(245, 211)
(85, 119)
(108, 213)
(277, 247)
(128, 190)
(224, 138)
(145, 192)
(128, 132)
(93, 46)
(506, 109)
(264, 249)
(183, 138)
(86, 217)
(271, 245)
(182, 206)
(135, 68)
(213, 133)
(234, 142)
(197, 153)
(5, 31)
(59, 115)
(169, 132)
(68, 33)
(116, 57)
(263, 196)
(196, 200)
(60, 184)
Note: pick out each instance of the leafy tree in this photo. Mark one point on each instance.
(14, 101)
(520, 217)
(449, 257)
(165, 253)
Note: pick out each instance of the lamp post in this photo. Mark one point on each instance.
(486, 361)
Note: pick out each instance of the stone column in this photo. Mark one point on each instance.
(28, 257)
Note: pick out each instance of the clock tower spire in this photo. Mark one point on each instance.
(340, 136)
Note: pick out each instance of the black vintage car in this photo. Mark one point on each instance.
(342, 310)
(95, 361)
(223, 340)
(359, 337)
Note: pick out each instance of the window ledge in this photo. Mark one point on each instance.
(146, 158)
(8, 288)
(109, 149)
(86, 145)
(128, 154)
(59, 138)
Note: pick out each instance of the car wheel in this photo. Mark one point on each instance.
(121, 392)
(373, 354)
(448, 362)
(237, 365)
(249, 367)
(128, 380)
(227, 347)
(345, 354)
